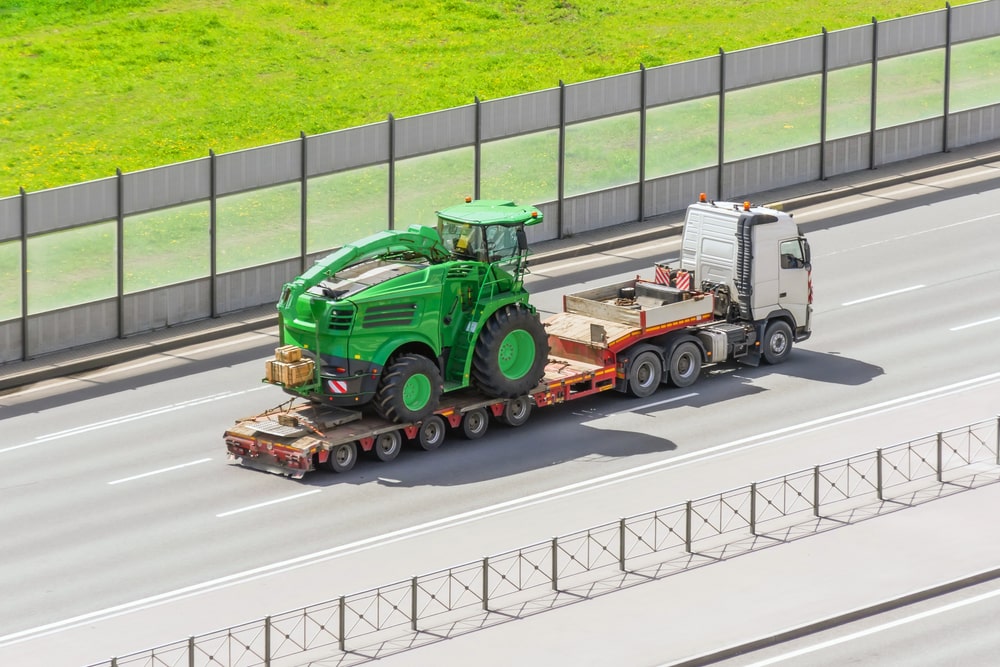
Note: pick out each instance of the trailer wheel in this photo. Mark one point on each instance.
(777, 342)
(342, 457)
(685, 365)
(388, 445)
(474, 423)
(511, 353)
(431, 433)
(644, 374)
(410, 388)
(517, 411)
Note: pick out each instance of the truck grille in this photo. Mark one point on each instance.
(390, 315)
(341, 318)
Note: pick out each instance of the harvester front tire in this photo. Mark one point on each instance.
(410, 388)
(511, 353)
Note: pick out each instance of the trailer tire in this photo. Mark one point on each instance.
(777, 342)
(410, 388)
(511, 353)
(431, 433)
(517, 411)
(685, 365)
(388, 445)
(474, 423)
(342, 457)
(644, 374)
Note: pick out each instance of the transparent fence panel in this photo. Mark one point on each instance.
(772, 117)
(524, 168)
(848, 101)
(426, 184)
(602, 154)
(682, 137)
(975, 74)
(258, 227)
(910, 88)
(167, 246)
(72, 266)
(347, 206)
(10, 280)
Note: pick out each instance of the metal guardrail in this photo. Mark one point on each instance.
(632, 542)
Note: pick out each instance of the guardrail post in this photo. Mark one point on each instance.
(486, 583)
(114, 662)
(342, 604)
(753, 509)
(878, 473)
(555, 564)
(413, 604)
(998, 440)
(816, 491)
(191, 651)
(267, 641)
(621, 544)
(940, 457)
(687, 527)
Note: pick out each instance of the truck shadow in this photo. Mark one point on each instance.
(587, 431)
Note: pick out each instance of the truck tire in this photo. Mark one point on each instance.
(511, 353)
(342, 457)
(474, 423)
(431, 433)
(517, 411)
(644, 374)
(685, 365)
(388, 445)
(777, 342)
(409, 390)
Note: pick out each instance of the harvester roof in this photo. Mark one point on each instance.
(492, 212)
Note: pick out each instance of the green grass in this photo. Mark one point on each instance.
(94, 85)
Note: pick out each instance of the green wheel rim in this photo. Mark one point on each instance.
(417, 392)
(516, 355)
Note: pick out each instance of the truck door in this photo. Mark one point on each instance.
(793, 280)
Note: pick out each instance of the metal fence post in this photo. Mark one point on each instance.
(753, 508)
(722, 123)
(621, 544)
(816, 491)
(24, 275)
(874, 96)
(998, 440)
(413, 604)
(267, 641)
(392, 172)
(823, 102)
(946, 111)
(878, 473)
(477, 153)
(191, 651)
(213, 236)
(120, 251)
(555, 564)
(642, 143)
(687, 527)
(342, 622)
(486, 583)
(940, 457)
(561, 165)
(303, 202)
(114, 662)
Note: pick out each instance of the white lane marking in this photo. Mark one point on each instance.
(161, 470)
(911, 235)
(129, 418)
(883, 295)
(976, 324)
(653, 405)
(165, 356)
(484, 512)
(878, 628)
(269, 502)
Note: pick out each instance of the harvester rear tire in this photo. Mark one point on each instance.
(410, 388)
(511, 353)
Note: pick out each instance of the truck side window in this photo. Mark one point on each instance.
(792, 256)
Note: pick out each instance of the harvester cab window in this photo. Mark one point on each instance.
(463, 241)
(502, 242)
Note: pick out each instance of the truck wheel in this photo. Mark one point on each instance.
(777, 342)
(511, 353)
(644, 374)
(387, 445)
(410, 388)
(474, 423)
(685, 365)
(517, 411)
(431, 433)
(342, 457)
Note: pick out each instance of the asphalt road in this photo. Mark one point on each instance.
(117, 497)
